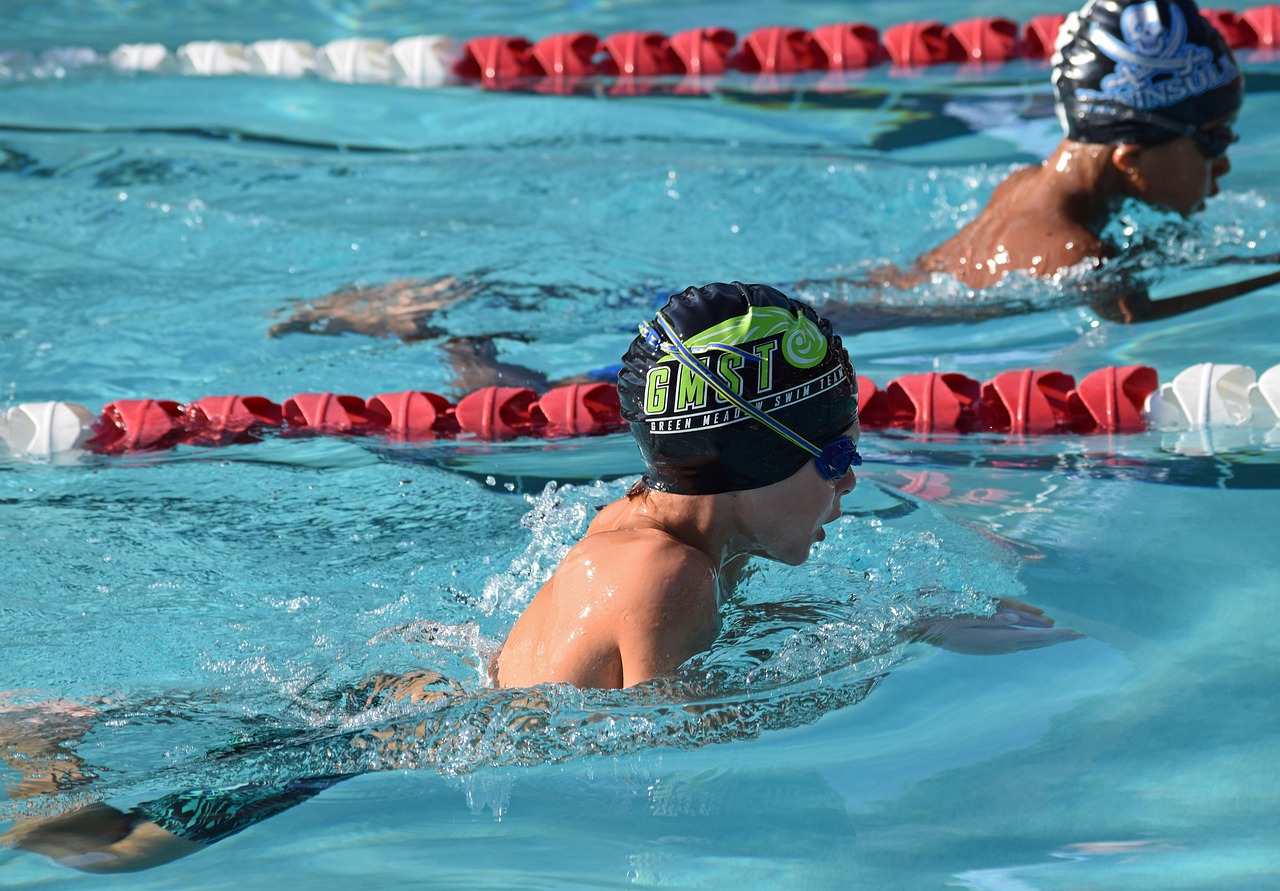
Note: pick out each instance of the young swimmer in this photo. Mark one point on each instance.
(744, 405)
(724, 481)
(1148, 93)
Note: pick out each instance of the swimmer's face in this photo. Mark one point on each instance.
(1178, 175)
(789, 515)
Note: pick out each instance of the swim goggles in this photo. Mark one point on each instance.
(833, 460)
(1213, 142)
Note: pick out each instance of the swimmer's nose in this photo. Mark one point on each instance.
(1221, 167)
(846, 483)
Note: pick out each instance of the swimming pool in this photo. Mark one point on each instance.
(217, 597)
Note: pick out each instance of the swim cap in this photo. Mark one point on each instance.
(1124, 69)
(772, 352)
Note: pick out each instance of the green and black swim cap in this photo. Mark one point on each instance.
(771, 352)
(1142, 71)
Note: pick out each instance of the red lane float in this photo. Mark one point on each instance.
(931, 402)
(1238, 33)
(989, 39)
(779, 50)
(1264, 21)
(1109, 400)
(639, 54)
(776, 51)
(567, 55)
(915, 44)
(1040, 34)
(215, 420)
(137, 425)
(847, 47)
(1032, 402)
(495, 60)
(500, 413)
(1115, 397)
(704, 52)
(492, 413)
(413, 415)
(873, 404)
(581, 409)
(326, 413)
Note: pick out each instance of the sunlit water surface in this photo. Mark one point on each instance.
(212, 604)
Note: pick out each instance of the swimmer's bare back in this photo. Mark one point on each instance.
(1031, 224)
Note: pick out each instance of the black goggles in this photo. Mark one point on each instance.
(1213, 142)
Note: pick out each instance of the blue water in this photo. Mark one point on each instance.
(210, 601)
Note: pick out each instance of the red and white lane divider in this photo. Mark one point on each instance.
(136, 425)
(1127, 399)
(551, 63)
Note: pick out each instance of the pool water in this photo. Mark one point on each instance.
(211, 603)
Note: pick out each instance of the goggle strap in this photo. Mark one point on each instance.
(655, 340)
(1137, 115)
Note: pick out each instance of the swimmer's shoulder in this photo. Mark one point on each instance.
(1021, 180)
(645, 559)
(632, 541)
(610, 517)
(648, 543)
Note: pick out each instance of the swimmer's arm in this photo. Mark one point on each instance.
(872, 280)
(1014, 626)
(1137, 305)
(100, 838)
(668, 619)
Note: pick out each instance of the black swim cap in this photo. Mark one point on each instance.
(1121, 63)
(774, 352)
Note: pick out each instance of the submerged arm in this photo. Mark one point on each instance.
(100, 838)
(1136, 305)
(1014, 626)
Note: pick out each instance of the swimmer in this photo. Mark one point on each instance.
(640, 593)
(744, 405)
(405, 309)
(1148, 93)
(401, 308)
(724, 481)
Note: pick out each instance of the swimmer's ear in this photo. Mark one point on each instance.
(1126, 158)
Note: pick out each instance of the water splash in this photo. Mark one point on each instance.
(796, 644)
